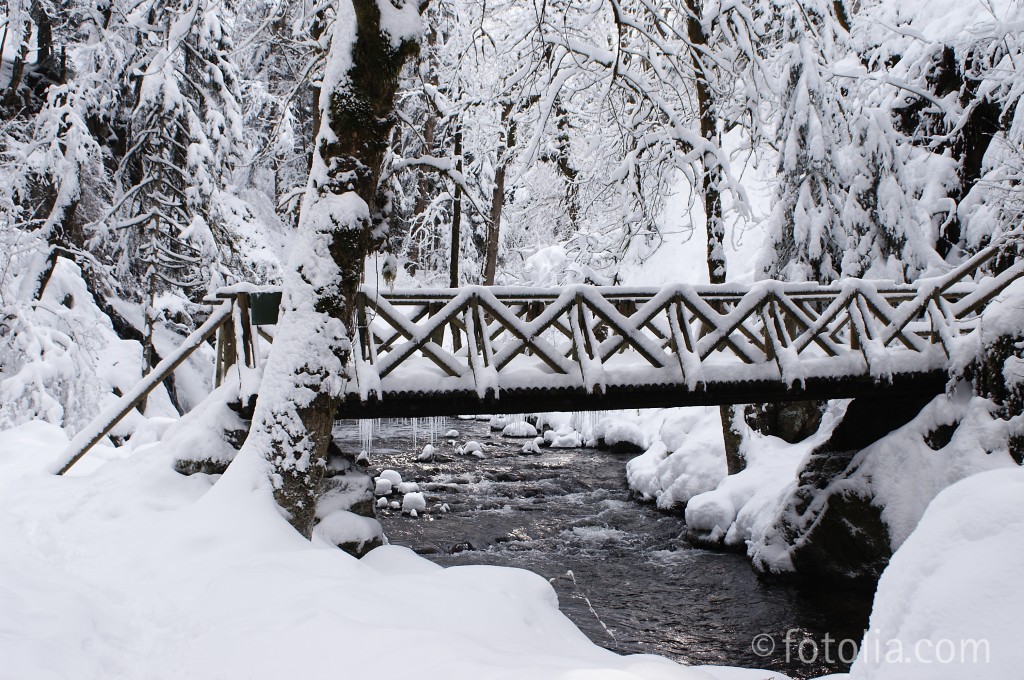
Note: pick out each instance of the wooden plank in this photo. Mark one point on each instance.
(441, 358)
(102, 424)
(685, 345)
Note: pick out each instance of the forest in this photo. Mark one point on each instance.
(156, 152)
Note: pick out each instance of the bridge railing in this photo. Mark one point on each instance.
(486, 341)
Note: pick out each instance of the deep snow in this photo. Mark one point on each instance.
(126, 569)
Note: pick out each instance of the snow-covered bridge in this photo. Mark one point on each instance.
(511, 350)
(583, 348)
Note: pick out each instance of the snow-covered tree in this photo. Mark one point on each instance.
(807, 238)
(343, 215)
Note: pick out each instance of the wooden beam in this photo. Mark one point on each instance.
(102, 424)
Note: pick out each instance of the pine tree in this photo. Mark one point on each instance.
(806, 235)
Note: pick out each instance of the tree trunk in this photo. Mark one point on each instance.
(456, 242)
(711, 178)
(423, 184)
(308, 363)
(11, 99)
(711, 181)
(498, 197)
(494, 226)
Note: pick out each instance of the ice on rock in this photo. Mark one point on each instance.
(394, 505)
(392, 476)
(408, 487)
(413, 513)
(363, 458)
(414, 502)
(383, 487)
(471, 447)
(445, 508)
(498, 423)
(519, 428)
(382, 503)
(534, 446)
(427, 454)
(451, 434)
(563, 438)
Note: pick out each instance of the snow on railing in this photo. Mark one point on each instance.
(487, 341)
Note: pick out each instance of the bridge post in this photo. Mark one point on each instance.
(227, 352)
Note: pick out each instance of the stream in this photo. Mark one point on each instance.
(636, 585)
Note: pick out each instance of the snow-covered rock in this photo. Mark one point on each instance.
(855, 503)
(382, 487)
(392, 476)
(349, 531)
(427, 454)
(408, 487)
(563, 438)
(688, 460)
(947, 603)
(414, 502)
(624, 436)
(519, 428)
(451, 434)
(469, 448)
(534, 446)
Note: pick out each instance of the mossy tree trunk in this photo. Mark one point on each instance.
(341, 222)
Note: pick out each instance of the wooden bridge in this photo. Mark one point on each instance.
(584, 348)
(514, 350)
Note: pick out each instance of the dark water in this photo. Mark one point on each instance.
(570, 510)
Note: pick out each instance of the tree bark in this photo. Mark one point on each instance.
(494, 226)
(456, 242)
(711, 177)
(308, 364)
(498, 197)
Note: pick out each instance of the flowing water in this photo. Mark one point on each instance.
(636, 586)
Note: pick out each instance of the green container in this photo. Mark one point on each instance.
(264, 308)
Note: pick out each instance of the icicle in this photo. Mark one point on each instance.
(366, 435)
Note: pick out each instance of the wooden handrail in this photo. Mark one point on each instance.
(101, 425)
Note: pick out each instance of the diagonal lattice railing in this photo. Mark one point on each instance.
(587, 347)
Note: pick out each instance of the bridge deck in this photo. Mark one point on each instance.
(406, 404)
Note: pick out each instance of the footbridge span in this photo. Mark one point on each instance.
(433, 352)
(428, 352)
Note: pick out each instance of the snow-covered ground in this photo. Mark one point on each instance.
(948, 606)
(126, 569)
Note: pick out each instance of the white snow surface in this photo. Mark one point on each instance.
(519, 428)
(952, 582)
(134, 571)
(686, 458)
(342, 526)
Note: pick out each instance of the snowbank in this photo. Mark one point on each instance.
(900, 474)
(686, 458)
(134, 571)
(947, 606)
